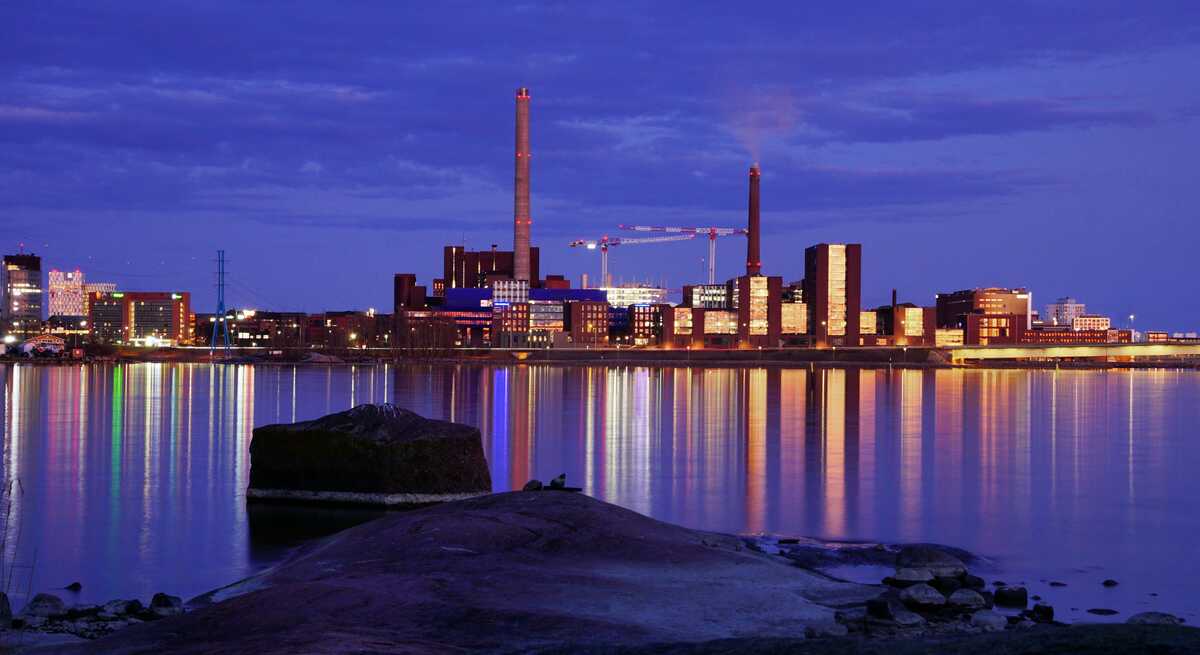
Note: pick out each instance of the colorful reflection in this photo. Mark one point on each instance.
(131, 478)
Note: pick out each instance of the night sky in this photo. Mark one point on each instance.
(326, 146)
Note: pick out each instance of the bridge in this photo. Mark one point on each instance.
(1116, 351)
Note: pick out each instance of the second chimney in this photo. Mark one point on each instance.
(753, 261)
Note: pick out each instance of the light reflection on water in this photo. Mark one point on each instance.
(133, 476)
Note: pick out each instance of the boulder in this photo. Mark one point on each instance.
(908, 577)
(559, 482)
(939, 562)
(890, 613)
(1012, 597)
(946, 585)
(1154, 618)
(532, 485)
(966, 599)
(74, 586)
(922, 596)
(164, 605)
(989, 620)
(119, 607)
(371, 454)
(1042, 613)
(973, 582)
(45, 606)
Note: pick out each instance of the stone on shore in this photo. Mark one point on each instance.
(513, 571)
(989, 620)
(908, 577)
(1154, 618)
(966, 599)
(922, 596)
(1012, 597)
(939, 562)
(164, 605)
(371, 454)
(44, 606)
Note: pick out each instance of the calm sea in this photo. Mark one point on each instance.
(130, 479)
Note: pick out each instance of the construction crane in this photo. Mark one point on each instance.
(606, 242)
(712, 232)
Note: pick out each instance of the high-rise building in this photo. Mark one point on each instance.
(67, 295)
(21, 315)
(1064, 311)
(139, 318)
(833, 292)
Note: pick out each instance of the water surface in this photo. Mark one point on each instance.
(131, 478)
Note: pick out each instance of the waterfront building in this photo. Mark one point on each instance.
(510, 324)
(21, 281)
(251, 328)
(626, 295)
(757, 300)
(707, 296)
(954, 307)
(67, 295)
(793, 319)
(1064, 311)
(587, 322)
(466, 269)
(646, 323)
(832, 292)
(1090, 322)
(868, 322)
(140, 318)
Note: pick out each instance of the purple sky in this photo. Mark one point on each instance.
(1054, 146)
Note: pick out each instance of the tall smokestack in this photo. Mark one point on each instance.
(521, 218)
(753, 262)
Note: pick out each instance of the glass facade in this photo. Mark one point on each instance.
(794, 318)
(720, 322)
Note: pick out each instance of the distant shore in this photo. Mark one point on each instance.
(911, 357)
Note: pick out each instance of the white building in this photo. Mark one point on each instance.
(1091, 322)
(67, 293)
(635, 295)
(1064, 311)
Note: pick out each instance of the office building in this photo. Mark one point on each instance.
(832, 292)
(587, 322)
(21, 314)
(624, 296)
(953, 307)
(1090, 322)
(140, 318)
(1064, 311)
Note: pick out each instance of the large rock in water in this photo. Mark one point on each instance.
(371, 454)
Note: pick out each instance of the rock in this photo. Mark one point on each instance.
(532, 485)
(946, 585)
(1055, 583)
(1042, 613)
(851, 617)
(1154, 618)
(826, 630)
(45, 606)
(908, 577)
(966, 599)
(989, 598)
(1024, 624)
(164, 605)
(119, 607)
(74, 586)
(559, 482)
(6, 615)
(1110, 583)
(371, 454)
(1102, 611)
(989, 620)
(1012, 597)
(973, 582)
(939, 562)
(922, 596)
(879, 608)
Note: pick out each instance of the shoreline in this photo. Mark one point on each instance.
(593, 577)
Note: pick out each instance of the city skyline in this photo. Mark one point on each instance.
(1053, 160)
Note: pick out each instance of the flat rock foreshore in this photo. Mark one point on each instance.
(561, 572)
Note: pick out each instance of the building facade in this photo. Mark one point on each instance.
(1090, 322)
(954, 307)
(67, 294)
(140, 318)
(833, 292)
(1064, 311)
(21, 280)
